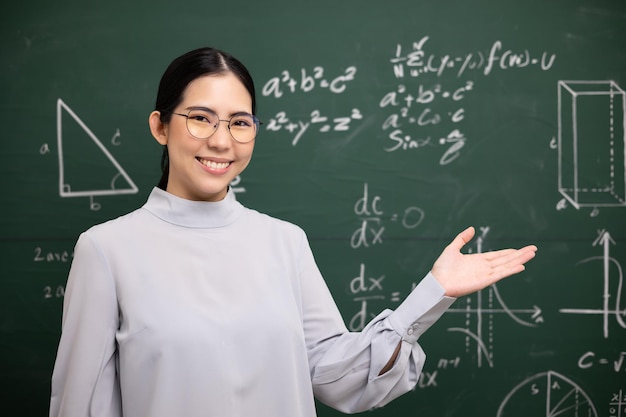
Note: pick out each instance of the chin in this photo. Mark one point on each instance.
(213, 194)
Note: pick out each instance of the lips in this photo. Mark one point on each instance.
(217, 165)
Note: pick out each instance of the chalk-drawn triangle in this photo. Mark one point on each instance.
(86, 167)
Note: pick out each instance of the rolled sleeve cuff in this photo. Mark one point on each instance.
(422, 307)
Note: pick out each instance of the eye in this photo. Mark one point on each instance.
(199, 118)
(202, 117)
(242, 121)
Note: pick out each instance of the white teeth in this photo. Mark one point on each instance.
(213, 164)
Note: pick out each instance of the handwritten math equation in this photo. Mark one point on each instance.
(415, 108)
(416, 117)
(316, 120)
(365, 288)
(591, 359)
(432, 115)
(306, 81)
(373, 219)
(416, 61)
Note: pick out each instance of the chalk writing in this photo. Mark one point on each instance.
(316, 120)
(589, 360)
(413, 107)
(427, 379)
(370, 232)
(617, 405)
(366, 288)
(424, 94)
(436, 109)
(449, 363)
(404, 101)
(53, 292)
(115, 140)
(42, 255)
(418, 61)
(306, 81)
(549, 391)
(618, 311)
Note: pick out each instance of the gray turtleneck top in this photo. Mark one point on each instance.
(185, 308)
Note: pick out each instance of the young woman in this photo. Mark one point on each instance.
(194, 305)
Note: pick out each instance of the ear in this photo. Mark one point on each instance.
(158, 128)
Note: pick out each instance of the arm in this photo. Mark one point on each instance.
(463, 274)
(84, 381)
(347, 368)
(354, 372)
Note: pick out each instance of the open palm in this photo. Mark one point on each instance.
(461, 274)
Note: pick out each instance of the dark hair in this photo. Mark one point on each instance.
(185, 69)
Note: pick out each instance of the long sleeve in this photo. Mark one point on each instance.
(84, 381)
(163, 318)
(345, 366)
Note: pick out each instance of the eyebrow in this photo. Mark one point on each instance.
(213, 111)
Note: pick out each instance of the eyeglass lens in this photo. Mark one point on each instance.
(202, 124)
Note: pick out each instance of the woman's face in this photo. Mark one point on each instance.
(202, 169)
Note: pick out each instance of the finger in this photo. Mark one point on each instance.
(499, 256)
(462, 238)
(523, 255)
(532, 248)
(503, 256)
(527, 253)
(504, 271)
(514, 264)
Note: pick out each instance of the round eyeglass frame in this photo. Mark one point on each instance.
(255, 120)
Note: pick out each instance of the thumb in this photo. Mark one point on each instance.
(463, 238)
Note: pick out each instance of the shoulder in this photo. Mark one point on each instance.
(264, 222)
(127, 223)
(271, 221)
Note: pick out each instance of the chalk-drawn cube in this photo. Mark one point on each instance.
(591, 143)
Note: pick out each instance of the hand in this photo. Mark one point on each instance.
(461, 274)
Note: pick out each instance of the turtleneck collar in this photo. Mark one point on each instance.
(194, 214)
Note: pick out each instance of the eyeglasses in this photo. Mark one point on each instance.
(203, 123)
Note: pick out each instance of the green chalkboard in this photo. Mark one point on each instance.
(388, 128)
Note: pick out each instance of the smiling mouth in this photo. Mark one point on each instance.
(213, 164)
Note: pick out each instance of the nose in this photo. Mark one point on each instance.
(221, 139)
